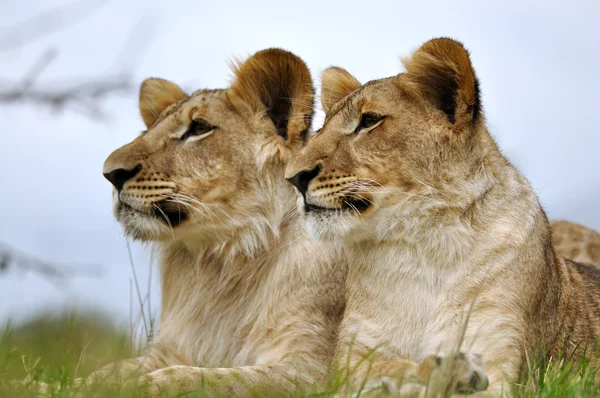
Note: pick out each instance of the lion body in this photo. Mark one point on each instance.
(449, 247)
(250, 305)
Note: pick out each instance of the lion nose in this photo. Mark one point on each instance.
(118, 177)
(303, 178)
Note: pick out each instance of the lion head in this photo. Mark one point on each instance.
(210, 164)
(394, 149)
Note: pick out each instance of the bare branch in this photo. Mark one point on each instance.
(4, 261)
(46, 23)
(56, 273)
(36, 70)
(84, 96)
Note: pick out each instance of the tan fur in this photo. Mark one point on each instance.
(155, 96)
(439, 227)
(576, 242)
(336, 83)
(249, 303)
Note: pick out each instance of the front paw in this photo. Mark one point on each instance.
(149, 385)
(454, 373)
(172, 380)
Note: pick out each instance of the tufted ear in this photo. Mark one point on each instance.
(336, 83)
(156, 95)
(444, 76)
(279, 83)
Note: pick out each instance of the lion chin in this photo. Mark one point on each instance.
(158, 225)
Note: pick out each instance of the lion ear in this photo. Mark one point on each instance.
(277, 82)
(336, 83)
(155, 95)
(444, 76)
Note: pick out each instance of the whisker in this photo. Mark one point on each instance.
(428, 186)
(288, 216)
(203, 212)
(295, 240)
(300, 101)
(166, 219)
(360, 216)
(205, 206)
(187, 206)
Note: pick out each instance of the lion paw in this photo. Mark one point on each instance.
(150, 384)
(177, 379)
(454, 373)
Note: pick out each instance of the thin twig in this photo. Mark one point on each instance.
(137, 287)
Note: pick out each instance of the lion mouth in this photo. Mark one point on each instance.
(173, 217)
(357, 204)
(347, 204)
(160, 211)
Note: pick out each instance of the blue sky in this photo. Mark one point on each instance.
(537, 62)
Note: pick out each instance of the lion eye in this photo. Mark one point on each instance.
(368, 120)
(197, 128)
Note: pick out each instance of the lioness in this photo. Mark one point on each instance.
(249, 304)
(441, 230)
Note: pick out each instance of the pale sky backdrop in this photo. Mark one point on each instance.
(537, 61)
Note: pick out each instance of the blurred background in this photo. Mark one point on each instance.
(70, 70)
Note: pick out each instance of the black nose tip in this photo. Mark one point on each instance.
(119, 177)
(303, 178)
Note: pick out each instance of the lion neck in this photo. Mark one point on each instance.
(251, 248)
(228, 290)
(493, 208)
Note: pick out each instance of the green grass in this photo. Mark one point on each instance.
(57, 350)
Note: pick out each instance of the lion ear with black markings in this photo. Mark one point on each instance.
(336, 83)
(443, 75)
(278, 83)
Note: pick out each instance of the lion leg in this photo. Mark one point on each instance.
(156, 357)
(246, 381)
(116, 373)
